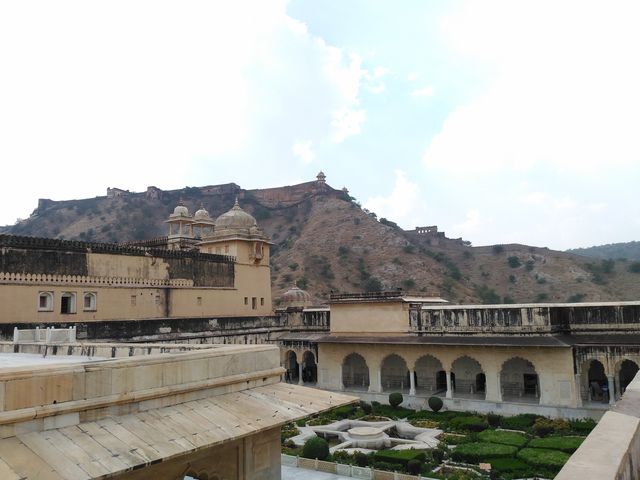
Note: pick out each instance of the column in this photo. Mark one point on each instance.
(300, 382)
(375, 381)
(578, 389)
(412, 382)
(493, 387)
(612, 391)
(449, 389)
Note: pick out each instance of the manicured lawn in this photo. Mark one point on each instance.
(399, 456)
(512, 465)
(566, 444)
(503, 437)
(478, 451)
(543, 457)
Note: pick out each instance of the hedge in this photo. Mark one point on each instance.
(479, 451)
(566, 444)
(470, 423)
(316, 447)
(541, 457)
(514, 465)
(399, 456)
(519, 422)
(503, 437)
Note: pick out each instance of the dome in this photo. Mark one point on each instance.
(201, 214)
(296, 297)
(235, 218)
(180, 211)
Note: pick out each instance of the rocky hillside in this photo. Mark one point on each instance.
(627, 250)
(325, 242)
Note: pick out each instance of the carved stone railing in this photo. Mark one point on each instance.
(46, 279)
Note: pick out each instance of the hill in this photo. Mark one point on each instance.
(324, 242)
(628, 250)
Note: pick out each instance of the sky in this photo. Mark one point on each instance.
(499, 121)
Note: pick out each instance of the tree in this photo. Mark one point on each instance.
(395, 399)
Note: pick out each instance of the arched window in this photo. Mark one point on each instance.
(45, 302)
(90, 302)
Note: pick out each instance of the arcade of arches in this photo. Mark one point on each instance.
(300, 372)
(543, 376)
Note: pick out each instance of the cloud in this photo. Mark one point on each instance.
(403, 205)
(175, 93)
(473, 221)
(412, 77)
(423, 92)
(303, 151)
(566, 100)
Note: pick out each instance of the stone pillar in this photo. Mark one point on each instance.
(449, 387)
(300, 382)
(412, 382)
(494, 389)
(375, 381)
(612, 389)
(578, 383)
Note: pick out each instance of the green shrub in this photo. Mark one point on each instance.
(362, 459)
(395, 399)
(438, 454)
(546, 426)
(366, 408)
(634, 267)
(435, 403)
(470, 423)
(399, 456)
(478, 451)
(513, 262)
(391, 412)
(511, 465)
(316, 447)
(503, 437)
(519, 422)
(342, 412)
(497, 249)
(389, 467)
(414, 466)
(541, 457)
(493, 419)
(566, 444)
(582, 427)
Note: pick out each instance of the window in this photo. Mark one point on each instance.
(199, 300)
(246, 300)
(89, 301)
(262, 301)
(68, 303)
(45, 302)
(226, 249)
(133, 300)
(254, 303)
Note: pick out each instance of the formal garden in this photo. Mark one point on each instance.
(469, 445)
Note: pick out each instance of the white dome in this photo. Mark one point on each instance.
(180, 211)
(201, 214)
(235, 218)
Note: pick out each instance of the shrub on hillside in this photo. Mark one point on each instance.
(435, 403)
(395, 399)
(316, 447)
(513, 262)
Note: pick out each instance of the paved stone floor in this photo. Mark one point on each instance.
(293, 473)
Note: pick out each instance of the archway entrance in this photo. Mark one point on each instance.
(291, 364)
(309, 368)
(428, 373)
(628, 370)
(519, 381)
(394, 374)
(467, 378)
(598, 387)
(355, 372)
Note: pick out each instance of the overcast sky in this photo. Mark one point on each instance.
(500, 122)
